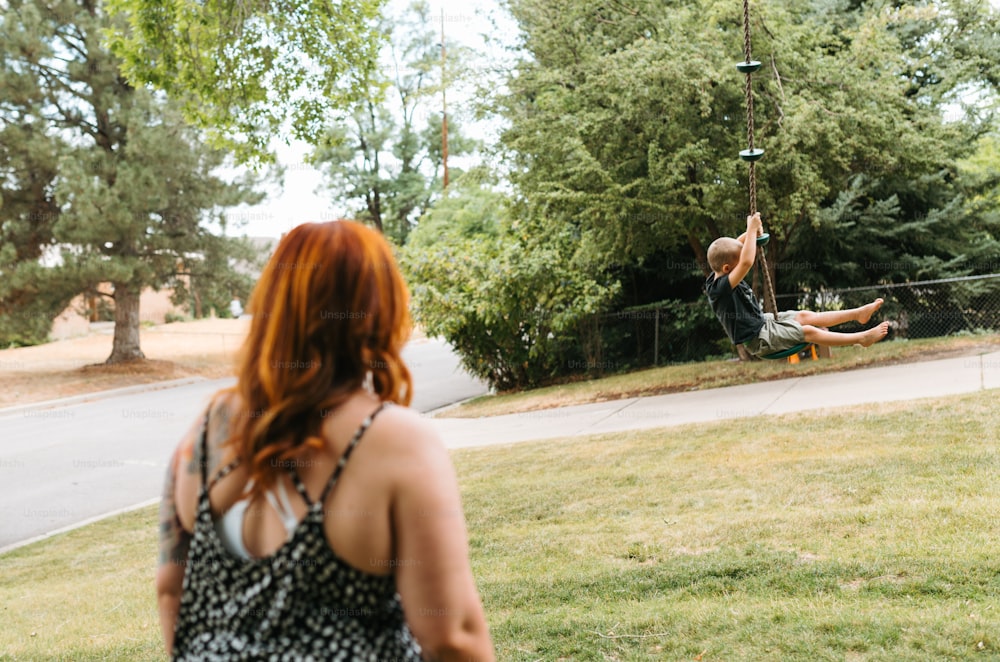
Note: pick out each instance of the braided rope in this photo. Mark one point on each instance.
(749, 102)
(770, 301)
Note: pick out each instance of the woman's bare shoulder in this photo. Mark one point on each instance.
(403, 431)
(215, 421)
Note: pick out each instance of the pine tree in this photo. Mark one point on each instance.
(132, 191)
(624, 123)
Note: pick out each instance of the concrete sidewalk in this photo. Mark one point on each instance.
(909, 381)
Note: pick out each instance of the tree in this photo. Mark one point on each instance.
(383, 157)
(981, 176)
(890, 197)
(131, 190)
(29, 165)
(245, 69)
(625, 121)
(511, 305)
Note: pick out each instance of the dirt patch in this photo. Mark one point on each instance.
(161, 369)
(206, 348)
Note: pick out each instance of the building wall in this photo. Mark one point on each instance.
(153, 306)
(74, 321)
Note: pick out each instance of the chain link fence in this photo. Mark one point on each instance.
(674, 331)
(926, 309)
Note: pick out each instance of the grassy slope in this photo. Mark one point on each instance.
(715, 374)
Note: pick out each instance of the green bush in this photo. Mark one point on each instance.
(510, 305)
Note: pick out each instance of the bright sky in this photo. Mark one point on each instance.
(301, 199)
(480, 24)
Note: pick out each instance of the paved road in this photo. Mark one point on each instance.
(65, 464)
(62, 465)
(438, 380)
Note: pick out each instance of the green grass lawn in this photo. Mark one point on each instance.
(84, 595)
(869, 534)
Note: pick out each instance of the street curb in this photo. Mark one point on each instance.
(98, 395)
(78, 525)
(433, 413)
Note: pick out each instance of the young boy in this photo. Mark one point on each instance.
(746, 323)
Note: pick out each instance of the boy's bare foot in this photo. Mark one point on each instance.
(865, 312)
(873, 335)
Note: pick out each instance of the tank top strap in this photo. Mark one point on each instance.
(299, 486)
(203, 444)
(221, 473)
(365, 424)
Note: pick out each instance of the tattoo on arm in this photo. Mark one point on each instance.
(216, 434)
(194, 458)
(174, 540)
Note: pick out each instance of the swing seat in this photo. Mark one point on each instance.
(751, 154)
(748, 67)
(785, 353)
(763, 239)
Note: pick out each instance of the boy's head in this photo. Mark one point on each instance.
(723, 255)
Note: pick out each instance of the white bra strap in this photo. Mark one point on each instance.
(283, 507)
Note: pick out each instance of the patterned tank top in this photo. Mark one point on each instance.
(301, 603)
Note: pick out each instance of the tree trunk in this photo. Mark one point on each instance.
(198, 312)
(126, 343)
(699, 253)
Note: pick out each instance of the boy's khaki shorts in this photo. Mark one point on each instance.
(777, 335)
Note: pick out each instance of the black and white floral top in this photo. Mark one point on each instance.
(301, 603)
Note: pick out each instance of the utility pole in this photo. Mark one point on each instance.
(444, 107)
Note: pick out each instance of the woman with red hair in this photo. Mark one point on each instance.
(309, 514)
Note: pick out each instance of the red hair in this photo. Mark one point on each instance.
(329, 308)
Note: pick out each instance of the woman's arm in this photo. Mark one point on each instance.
(433, 574)
(178, 507)
(174, 542)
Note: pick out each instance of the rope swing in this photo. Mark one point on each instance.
(751, 155)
